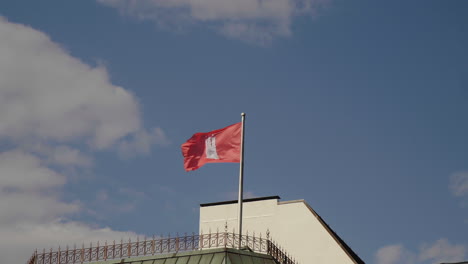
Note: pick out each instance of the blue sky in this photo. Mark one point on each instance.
(358, 107)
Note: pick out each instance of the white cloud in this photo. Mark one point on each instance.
(60, 155)
(110, 202)
(22, 172)
(256, 21)
(28, 194)
(55, 111)
(46, 94)
(249, 32)
(32, 213)
(24, 239)
(440, 251)
(102, 196)
(131, 193)
(394, 254)
(389, 254)
(459, 183)
(141, 142)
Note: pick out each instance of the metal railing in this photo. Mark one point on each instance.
(160, 245)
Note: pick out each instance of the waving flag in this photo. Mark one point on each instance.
(222, 145)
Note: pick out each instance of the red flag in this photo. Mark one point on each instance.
(222, 145)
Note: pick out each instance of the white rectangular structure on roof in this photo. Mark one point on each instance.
(292, 224)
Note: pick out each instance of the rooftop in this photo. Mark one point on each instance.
(211, 248)
(209, 256)
(276, 197)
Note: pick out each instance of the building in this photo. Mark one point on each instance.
(275, 232)
(292, 224)
(213, 248)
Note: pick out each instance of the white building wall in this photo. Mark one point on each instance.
(291, 224)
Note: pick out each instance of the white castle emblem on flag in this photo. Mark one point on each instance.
(210, 146)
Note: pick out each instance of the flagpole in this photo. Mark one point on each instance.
(241, 179)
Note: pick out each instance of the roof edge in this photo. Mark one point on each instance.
(139, 259)
(292, 201)
(347, 249)
(244, 201)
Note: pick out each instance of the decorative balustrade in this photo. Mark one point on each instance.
(160, 245)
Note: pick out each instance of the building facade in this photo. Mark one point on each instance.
(292, 224)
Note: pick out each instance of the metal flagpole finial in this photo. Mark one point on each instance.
(242, 114)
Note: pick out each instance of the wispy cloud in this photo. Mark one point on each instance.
(459, 183)
(458, 186)
(253, 21)
(442, 251)
(394, 254)
(60, 155)
(109, 202)
(141, 142)
(437, 252)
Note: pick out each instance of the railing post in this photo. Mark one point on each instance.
(66, 256)
(201, 241)
(260, 244)
(193, 241)
(233, 238)
(82, 253)
(97, 251)
(209, 239)
(121, 245)
(137, 245)
(253, 241)
(152, 246)
(169, 243)
(225, 234)
(105, 250)
(90, 251)
(161, 244)
(74, 253)
(129, 247)
(247, 239)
